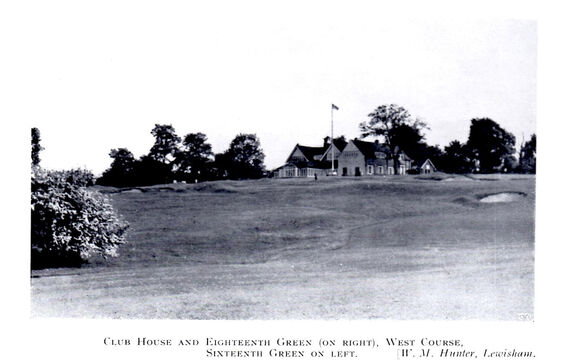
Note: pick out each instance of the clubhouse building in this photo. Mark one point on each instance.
(352, 158)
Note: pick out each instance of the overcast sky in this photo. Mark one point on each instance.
(93, 78)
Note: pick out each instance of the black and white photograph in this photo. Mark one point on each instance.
(367, 171)
(272, 161)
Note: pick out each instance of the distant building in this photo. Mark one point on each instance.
(353, 158)
(306, 161)
(427, 167)
(364, 158)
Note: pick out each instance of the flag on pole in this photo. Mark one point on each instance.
(334, 107)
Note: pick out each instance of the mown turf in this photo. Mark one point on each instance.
(355, 248)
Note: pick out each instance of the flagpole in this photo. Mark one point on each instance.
(332, 134)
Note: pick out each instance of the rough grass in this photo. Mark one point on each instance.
(354, 248)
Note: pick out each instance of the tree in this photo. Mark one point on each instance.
(149, 171)
(123, 159)
(410, 140)
(35, 146)
(434, 153)
(166, 142)
(490, 144)
(528, 156)
(122, 169)
(157, 166)
(193, 157)
(395, 125)
(245, 157)
(222, 165)
(455, 158)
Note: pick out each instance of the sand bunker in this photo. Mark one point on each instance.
(131, 191)
(503, 197)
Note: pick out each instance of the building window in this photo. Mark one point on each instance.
(370, 169)
(350, 154)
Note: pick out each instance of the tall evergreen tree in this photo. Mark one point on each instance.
(35, 146)
(528, 156)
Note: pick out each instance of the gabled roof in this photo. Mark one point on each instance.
(339, 143)
(407, 157)
(427, 161)
(310, 152)
(368, 149)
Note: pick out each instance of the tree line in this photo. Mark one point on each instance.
(488, 149)
(189, 159)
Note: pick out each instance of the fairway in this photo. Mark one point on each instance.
(398, 247)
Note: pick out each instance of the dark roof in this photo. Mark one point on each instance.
(340, 143)
(369, 149)
(310, 152)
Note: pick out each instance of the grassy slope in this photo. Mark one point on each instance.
(400, 248)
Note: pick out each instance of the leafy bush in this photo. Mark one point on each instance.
(79, 177)
(69, 223)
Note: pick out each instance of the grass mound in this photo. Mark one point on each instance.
(465, 201)
(434, 177)
(214, 188)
